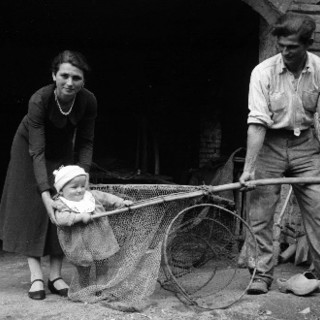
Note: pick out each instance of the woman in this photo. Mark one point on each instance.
(57, 130)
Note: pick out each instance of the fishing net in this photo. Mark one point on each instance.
(195, 242)
(200, 257)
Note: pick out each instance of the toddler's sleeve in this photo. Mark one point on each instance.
(108, 200)
(65, 217)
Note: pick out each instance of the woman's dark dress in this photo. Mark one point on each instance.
(44, 141)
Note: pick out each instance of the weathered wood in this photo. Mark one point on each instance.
(306, 1)
(270, 11)
(265, 8)
(305, 8)
(267, 47)
(282, 5)
(208, 190)
(316, 17)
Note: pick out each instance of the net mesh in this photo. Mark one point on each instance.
(127, 278)
(201, 257)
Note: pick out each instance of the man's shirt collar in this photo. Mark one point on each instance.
(281, 67)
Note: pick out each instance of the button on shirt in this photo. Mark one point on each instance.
(278, 100)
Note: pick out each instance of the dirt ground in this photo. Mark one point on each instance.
(15, 304)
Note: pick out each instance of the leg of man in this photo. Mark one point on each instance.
(305, 161)
(309, 201)
(271, 163)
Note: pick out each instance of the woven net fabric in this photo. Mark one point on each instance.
(129, 276)
(201, 253)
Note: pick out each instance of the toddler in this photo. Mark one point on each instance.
(85, 242)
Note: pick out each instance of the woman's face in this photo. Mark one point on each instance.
(75, 189)
(69, 81)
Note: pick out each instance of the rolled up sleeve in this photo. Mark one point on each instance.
(259, 112)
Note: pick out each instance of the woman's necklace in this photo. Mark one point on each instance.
(58, 104)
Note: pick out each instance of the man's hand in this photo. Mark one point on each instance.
(245, 179)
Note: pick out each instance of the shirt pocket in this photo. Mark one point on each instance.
(278, 102)
(309, 99)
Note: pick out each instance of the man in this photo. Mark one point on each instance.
(283, 97)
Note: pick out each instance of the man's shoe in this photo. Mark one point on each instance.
(310, 275)
(258, 286)
(298, 284)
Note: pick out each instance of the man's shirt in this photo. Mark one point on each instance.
(278, 100)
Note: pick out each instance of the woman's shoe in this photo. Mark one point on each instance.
(54, 290)
(39, 294)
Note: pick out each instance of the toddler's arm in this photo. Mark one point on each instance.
(109, 200)
(84, 217)
(68, 218)
(65, 217)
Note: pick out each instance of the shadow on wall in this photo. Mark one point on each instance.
(160, 60)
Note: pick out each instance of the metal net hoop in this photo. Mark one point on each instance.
(174, 279)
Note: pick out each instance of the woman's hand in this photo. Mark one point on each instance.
(49, 205)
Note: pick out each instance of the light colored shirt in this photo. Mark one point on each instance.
(278, 100)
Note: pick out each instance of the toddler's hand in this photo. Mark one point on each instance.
(86, 217)
(127, 203)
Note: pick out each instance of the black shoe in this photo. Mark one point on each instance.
(310, 275)
(258, 286)
(39, 294)
(52, 288)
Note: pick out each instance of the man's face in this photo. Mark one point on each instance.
(292, 50)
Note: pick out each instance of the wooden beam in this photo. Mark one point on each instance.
(306, 1)
(282, 5)
(270, 10)
(305, 8)
(267, 47)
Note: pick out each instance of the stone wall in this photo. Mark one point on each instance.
(312, 8)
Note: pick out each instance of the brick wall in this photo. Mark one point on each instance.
(210, 140)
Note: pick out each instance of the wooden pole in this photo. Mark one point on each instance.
(205, 190)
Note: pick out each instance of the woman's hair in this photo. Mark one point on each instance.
(73, 57)
(291, 23)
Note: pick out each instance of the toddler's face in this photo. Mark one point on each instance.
(74, 190)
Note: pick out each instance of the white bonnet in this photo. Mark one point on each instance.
(64, 174)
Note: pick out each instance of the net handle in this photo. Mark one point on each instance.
(205, 190)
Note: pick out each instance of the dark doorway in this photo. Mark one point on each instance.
(156, 64)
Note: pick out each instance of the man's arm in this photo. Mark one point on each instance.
(255, 139)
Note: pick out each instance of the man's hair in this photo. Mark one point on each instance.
(291, 23)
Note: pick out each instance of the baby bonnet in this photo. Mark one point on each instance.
(64, 174)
